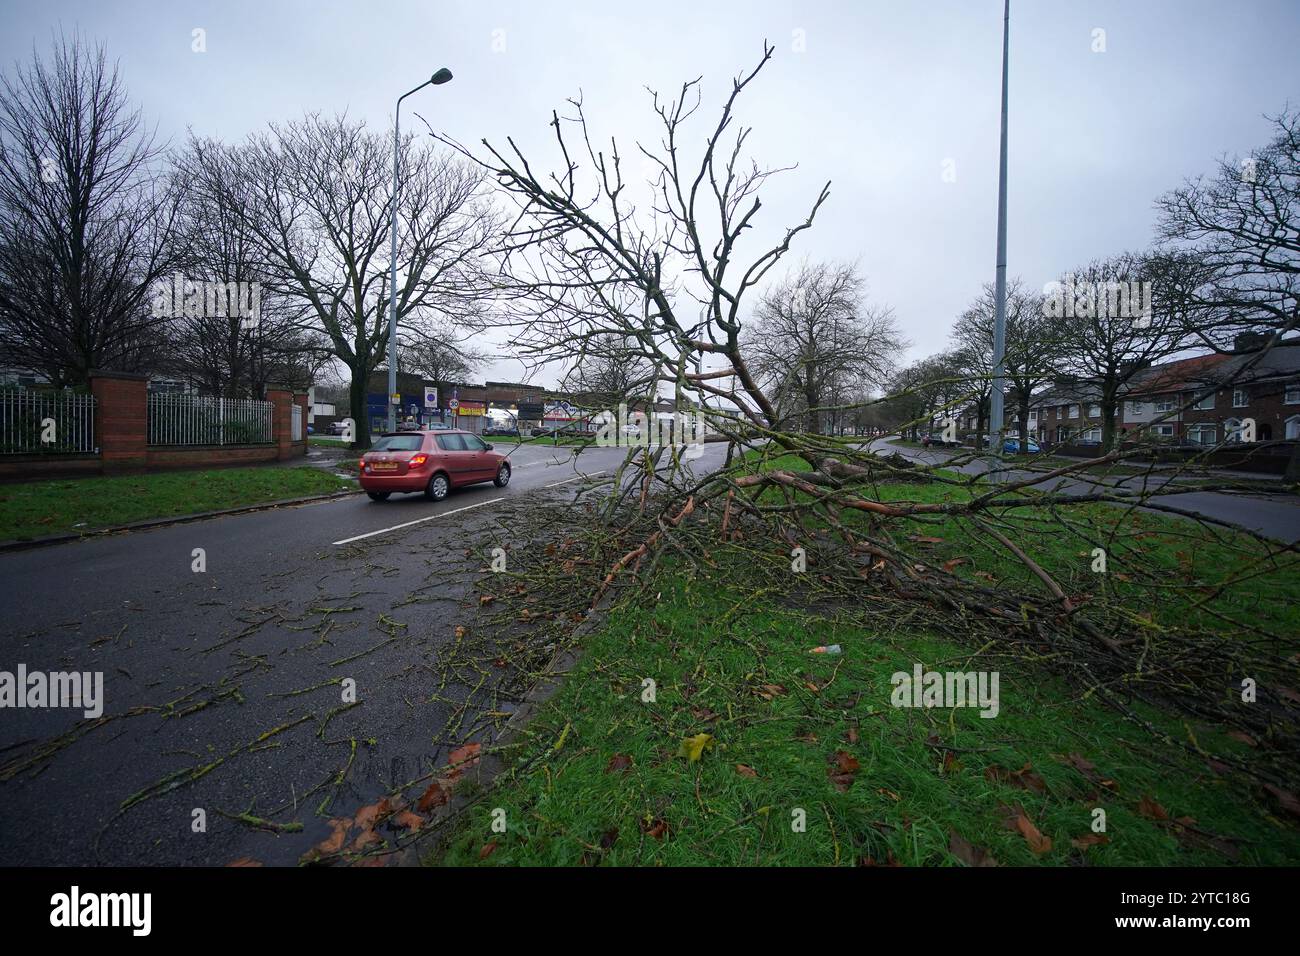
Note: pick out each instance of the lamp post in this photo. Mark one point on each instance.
(1000, 293)
(439, 78)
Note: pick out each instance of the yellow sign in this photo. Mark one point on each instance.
(472, 408)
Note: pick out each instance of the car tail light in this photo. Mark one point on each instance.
(418, 460)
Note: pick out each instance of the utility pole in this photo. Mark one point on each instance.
(1000, 295)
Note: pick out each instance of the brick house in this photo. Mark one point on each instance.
(1067, 411)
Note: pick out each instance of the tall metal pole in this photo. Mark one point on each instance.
(442, 76)
(392, 288)
(1000, 293)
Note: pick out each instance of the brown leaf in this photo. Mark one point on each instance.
(460, 632)
(986, 576)
(1148, 808)
(435, 796)
(949, 565)
(245, 861)
(334, 842)
(1023, 779)
(656, 828)
(769, 691)
(619, 763)
(959, 847)
(851, 735)
(1089, 839)
(746, 771)
(842, 773)
(487, 850)
(1285, 799)
(367, 817)
(1245, 738)
(1019, 821)
(462, 759)
(485, 599)
(924, 539)
(407, 820)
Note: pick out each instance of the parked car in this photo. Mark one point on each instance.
(1011, 446)
(437, 426)
(336, 428)
(408, 426)
(503, 431)
(932, 440)
(433, 461)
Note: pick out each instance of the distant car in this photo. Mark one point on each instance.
(1012, 446)
(408, 426)
(433, 461)
(336, 428)
(503, 431)
(437, 426)
(938, 441)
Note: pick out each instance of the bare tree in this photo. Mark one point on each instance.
(319, 194)
(441, 361)
(85, 218)
(1030, 355)
(612, 369)
(1107, 344)
(1242, 228)
(813, 338)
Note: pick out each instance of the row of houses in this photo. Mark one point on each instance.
(1202, 400)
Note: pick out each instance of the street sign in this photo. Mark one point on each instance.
(430, 397)
(453, 404)
(395, 398)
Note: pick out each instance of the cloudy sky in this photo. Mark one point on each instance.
(880, 98)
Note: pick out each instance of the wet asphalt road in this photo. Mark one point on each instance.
(223, 688)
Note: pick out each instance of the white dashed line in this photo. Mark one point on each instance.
(396, 527)
(556, 484)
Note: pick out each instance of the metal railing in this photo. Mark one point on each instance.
(35, 421)
(179, 419)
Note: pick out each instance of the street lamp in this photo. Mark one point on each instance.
(439, 78)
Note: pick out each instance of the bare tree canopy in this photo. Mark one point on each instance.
(315, 195)
(86, 215)
(814, 338)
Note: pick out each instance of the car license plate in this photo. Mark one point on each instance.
(383, 466)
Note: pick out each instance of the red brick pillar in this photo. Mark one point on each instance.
(281, 420)
(121, 419)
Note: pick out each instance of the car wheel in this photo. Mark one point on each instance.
(438, 488)
(503, 476)
(378, 495)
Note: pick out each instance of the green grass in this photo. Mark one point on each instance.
(716, 654)
(36, 509)
(598, 776)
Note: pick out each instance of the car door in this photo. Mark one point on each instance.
(485, 467)
(458, 460)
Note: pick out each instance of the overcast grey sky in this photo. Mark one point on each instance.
(879, 97)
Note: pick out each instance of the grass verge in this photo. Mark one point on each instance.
(40, 508)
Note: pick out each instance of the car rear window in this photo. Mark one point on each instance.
(399, 443)
(451, 442)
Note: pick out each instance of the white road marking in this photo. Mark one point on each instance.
(556, 484)
(396, 527)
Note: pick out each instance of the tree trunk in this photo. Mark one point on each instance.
(1022, 410)
(358, 412)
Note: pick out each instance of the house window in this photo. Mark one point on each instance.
(1092, 434)
(1292, 394)
(1074, 411)
(1203, 434)
(1206, 402)
(1136, 408)
(1165, 403)
(1239, 398)
(1094, 411)
(1293, 427)
(1165, 431)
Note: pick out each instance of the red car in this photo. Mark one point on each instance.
(430, 461)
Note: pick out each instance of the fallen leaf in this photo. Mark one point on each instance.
(656, 828)
(485, 599)
(462, 759)
(769, 691)
(367, 817)
(487, 850)
(1019, 821)
(619, 763)
(1148, 808)
(1023, 779)
(407, 820)
(461, 632)
(845, 767)
(1286, 800)
(245, 861)
(693, 748)
(852, 735)
(949, 565)
(746, 771)
(1089, 839)
(435, 796)
(1245, 738)
(959, 847)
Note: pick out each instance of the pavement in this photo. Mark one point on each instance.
(224, 688)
